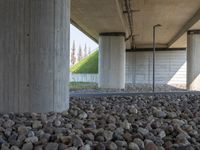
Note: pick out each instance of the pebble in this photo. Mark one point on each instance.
(14, 148)
(37, 124)
(77, 141)
(51, 146)
(111, 146)
(139, 142)
(133, 146)
(143, 131)
(149, 145)
(8, 124)
(27, 146)
(32, 139)
(71, 148)
(113, 123)
(121, 143)
(22, 130)
(162, 134)
(85, 147)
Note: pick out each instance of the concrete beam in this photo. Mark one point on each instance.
(186, 27)
(84, 31)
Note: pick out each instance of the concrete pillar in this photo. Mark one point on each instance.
(112, 60)
(34, 55)
(193, 60)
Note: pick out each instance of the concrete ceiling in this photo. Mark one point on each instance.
(176, 17)
(96, 16)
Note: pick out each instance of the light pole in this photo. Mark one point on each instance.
(154, 52)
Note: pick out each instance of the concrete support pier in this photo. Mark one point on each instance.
(193, 60)
(112, 60)
(34, 55)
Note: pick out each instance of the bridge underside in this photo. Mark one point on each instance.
(34, 44)
(176, 17)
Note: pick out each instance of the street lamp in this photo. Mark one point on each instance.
(154, 51)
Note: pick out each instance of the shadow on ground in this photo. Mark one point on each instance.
(81, 87)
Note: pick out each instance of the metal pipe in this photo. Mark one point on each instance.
(154, 52)
(128, 10)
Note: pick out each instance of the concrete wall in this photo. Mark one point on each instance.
(83, 77)
(170, 67)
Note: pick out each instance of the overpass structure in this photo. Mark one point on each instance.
(34, 44)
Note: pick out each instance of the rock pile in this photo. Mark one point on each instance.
(108, 123)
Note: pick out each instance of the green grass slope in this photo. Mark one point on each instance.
(87, 65)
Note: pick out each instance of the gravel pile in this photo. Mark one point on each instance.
(130, 88)
(108, 123)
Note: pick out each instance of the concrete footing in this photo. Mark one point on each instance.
(193, 60)
(34, 55)
(112, 60)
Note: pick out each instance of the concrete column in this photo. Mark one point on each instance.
(112, 60)
(193, 60)
(34, 55)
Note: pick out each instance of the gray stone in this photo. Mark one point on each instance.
(133, 146)
(9, 123)
(37, 124)
(57, 123)
(108, 135)
(100, 146)
(27, 146)
(32, 139)
(85, 147)
(5, 146)
(83, 115)
(121, 143)
(126, 125)
(149, 145)
(160, 114)
(132, 109)
(71, 148)
(22, 130)
(38, 148)
(77, 141)
(66, 139)
(162, 134)
(143, 131)
(14, 148)
(51, 146)
(111, 146)
(139, 142)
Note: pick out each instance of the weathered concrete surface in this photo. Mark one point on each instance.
(96, 16)
(176, 17)
(112, 62)
(193, 60)
(34, 56)
(170, 67)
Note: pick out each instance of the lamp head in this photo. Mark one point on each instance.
(157, 25)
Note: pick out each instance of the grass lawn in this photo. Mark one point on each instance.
(82, 85)
(87, 65)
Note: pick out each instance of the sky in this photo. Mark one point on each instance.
(80, 39)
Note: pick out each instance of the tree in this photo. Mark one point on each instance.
(73, 54)
(85, 51)
(80, 55)
(89, 51)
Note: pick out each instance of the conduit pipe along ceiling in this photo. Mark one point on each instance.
(176, 17)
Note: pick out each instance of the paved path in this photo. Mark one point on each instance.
(108, 94)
